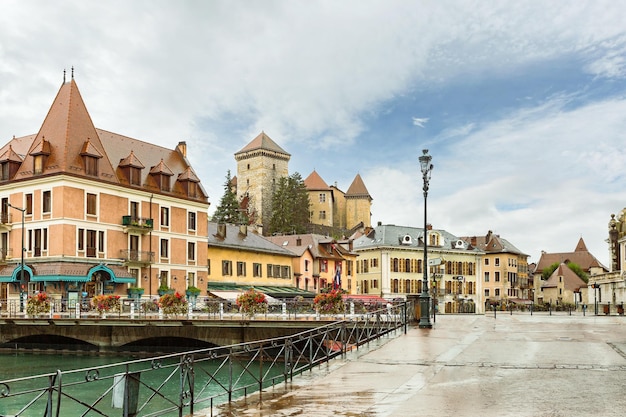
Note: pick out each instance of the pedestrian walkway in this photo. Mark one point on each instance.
(512, 365)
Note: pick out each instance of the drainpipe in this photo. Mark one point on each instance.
(150, 250)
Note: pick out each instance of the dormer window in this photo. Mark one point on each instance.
(39, 153)
(190, 183)
(131, 166)
(9, 164)
(161, 175)
(90, 155)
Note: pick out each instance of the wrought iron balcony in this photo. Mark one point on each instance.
(136, 256)
(137, 224)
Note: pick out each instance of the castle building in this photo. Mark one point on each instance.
(260, 164)
(84, 211)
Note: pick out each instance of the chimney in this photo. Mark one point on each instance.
(473, 240)
(243, 229)
(221, 230)
(380, 223)
(429, 226)
(182, 148)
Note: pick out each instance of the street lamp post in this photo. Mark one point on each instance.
(426, 168)
(22, 282)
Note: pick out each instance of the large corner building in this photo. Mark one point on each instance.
(86, 211)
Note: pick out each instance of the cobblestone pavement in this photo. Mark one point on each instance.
(512, 365)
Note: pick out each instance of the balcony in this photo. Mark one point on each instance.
(5, 220)
(137, 224)
(136, 257)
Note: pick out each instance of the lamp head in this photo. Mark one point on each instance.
(425, 164)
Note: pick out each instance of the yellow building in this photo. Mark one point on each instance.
(96, 211)
(391, 265)
(239, 259)
(505, 277)
(322, 262)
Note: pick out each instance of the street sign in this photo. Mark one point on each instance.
(434, 262)
(458, 277)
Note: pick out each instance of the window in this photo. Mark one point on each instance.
(92, 204)
(497, 276)
(191, 216)
(191, 251)
(165, 216)
(5, 171)
(91, 243)
(208, 266)
(285, 272)
(29, 204)
(81, 239)
(486, 292)
(191, 279)
(486, 261)
(323, 265)
(322, 197)
(38, 164)
(46, 202)
(134, 175)
(322, 214)
(241, 269)
(486, 276)
(497, 261)
(100, 241)
(270, 271)
(497, 292)
(257, 270)
(91, 165)
(227, 268)
(164, 248)
(306, 265)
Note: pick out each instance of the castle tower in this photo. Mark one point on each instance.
(358, 204)
(260, 164)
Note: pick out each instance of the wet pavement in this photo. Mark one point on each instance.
(513, 365)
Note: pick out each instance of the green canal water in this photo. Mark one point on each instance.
(165, 380)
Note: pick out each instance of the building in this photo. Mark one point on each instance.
(580, 256)
(262, 162)
(321, 262)
(335, 209)
(391, 265)
(239, 259)
(563, 287)
(505, 277)
(95, 211)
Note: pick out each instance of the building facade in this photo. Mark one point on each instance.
(504, 272)
(95, 211)
(391, 265)
(321, 262)
(239, 259)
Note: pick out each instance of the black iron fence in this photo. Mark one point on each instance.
(179, 384)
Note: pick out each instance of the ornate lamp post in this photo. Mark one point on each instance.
(22, 282)
(424, 322)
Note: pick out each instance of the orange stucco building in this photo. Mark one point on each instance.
(100, 211)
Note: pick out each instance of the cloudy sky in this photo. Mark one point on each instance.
(521, 103)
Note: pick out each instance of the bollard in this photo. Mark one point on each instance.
(494, 311)
(531, 309)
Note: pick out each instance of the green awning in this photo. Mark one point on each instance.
(276, 291)
(66, 278)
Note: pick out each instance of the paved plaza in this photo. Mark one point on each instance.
(512, 365)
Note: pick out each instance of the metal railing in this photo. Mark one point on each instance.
(181, 383)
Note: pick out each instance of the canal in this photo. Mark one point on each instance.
(164, 381)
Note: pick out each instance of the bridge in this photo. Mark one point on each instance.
(121, 333)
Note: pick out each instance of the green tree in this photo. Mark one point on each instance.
(574, 267)
(228, 211)
(290, 206)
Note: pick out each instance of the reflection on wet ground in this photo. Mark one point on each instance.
(512, 365)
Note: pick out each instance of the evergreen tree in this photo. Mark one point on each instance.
(228, 210)
(574, 267)
(290, 206)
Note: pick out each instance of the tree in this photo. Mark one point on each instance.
(290, 206)
(228, 211)
(574, 267)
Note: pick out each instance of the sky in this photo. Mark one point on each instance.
(521, 104)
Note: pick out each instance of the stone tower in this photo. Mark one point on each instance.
(358, 204)
(260, 164)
